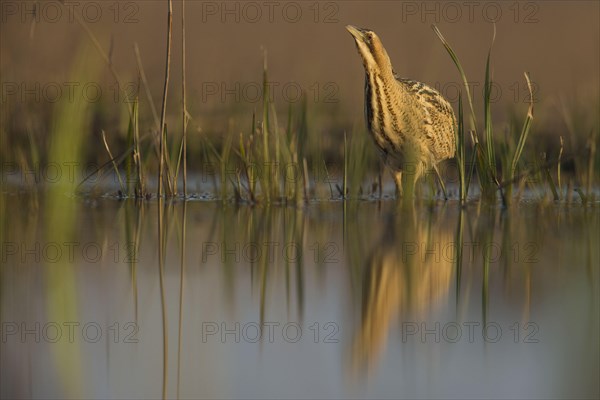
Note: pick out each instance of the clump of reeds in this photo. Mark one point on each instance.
(271, 160)
(492, 178)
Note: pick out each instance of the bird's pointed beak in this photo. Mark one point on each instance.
(355, 32)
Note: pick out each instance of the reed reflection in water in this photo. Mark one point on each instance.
(362, 281)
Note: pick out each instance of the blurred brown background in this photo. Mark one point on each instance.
(557, 42)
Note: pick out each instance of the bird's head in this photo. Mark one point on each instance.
(370, 49)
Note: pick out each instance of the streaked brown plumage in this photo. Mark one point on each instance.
(411, 123)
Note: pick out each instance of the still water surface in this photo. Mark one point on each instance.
(322, 300)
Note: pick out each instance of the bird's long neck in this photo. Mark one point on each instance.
(382, 105)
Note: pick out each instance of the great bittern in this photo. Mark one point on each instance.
(411, 123)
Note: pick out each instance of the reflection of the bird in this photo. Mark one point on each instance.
(407, 271)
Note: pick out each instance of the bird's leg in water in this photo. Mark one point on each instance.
(398, 180)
